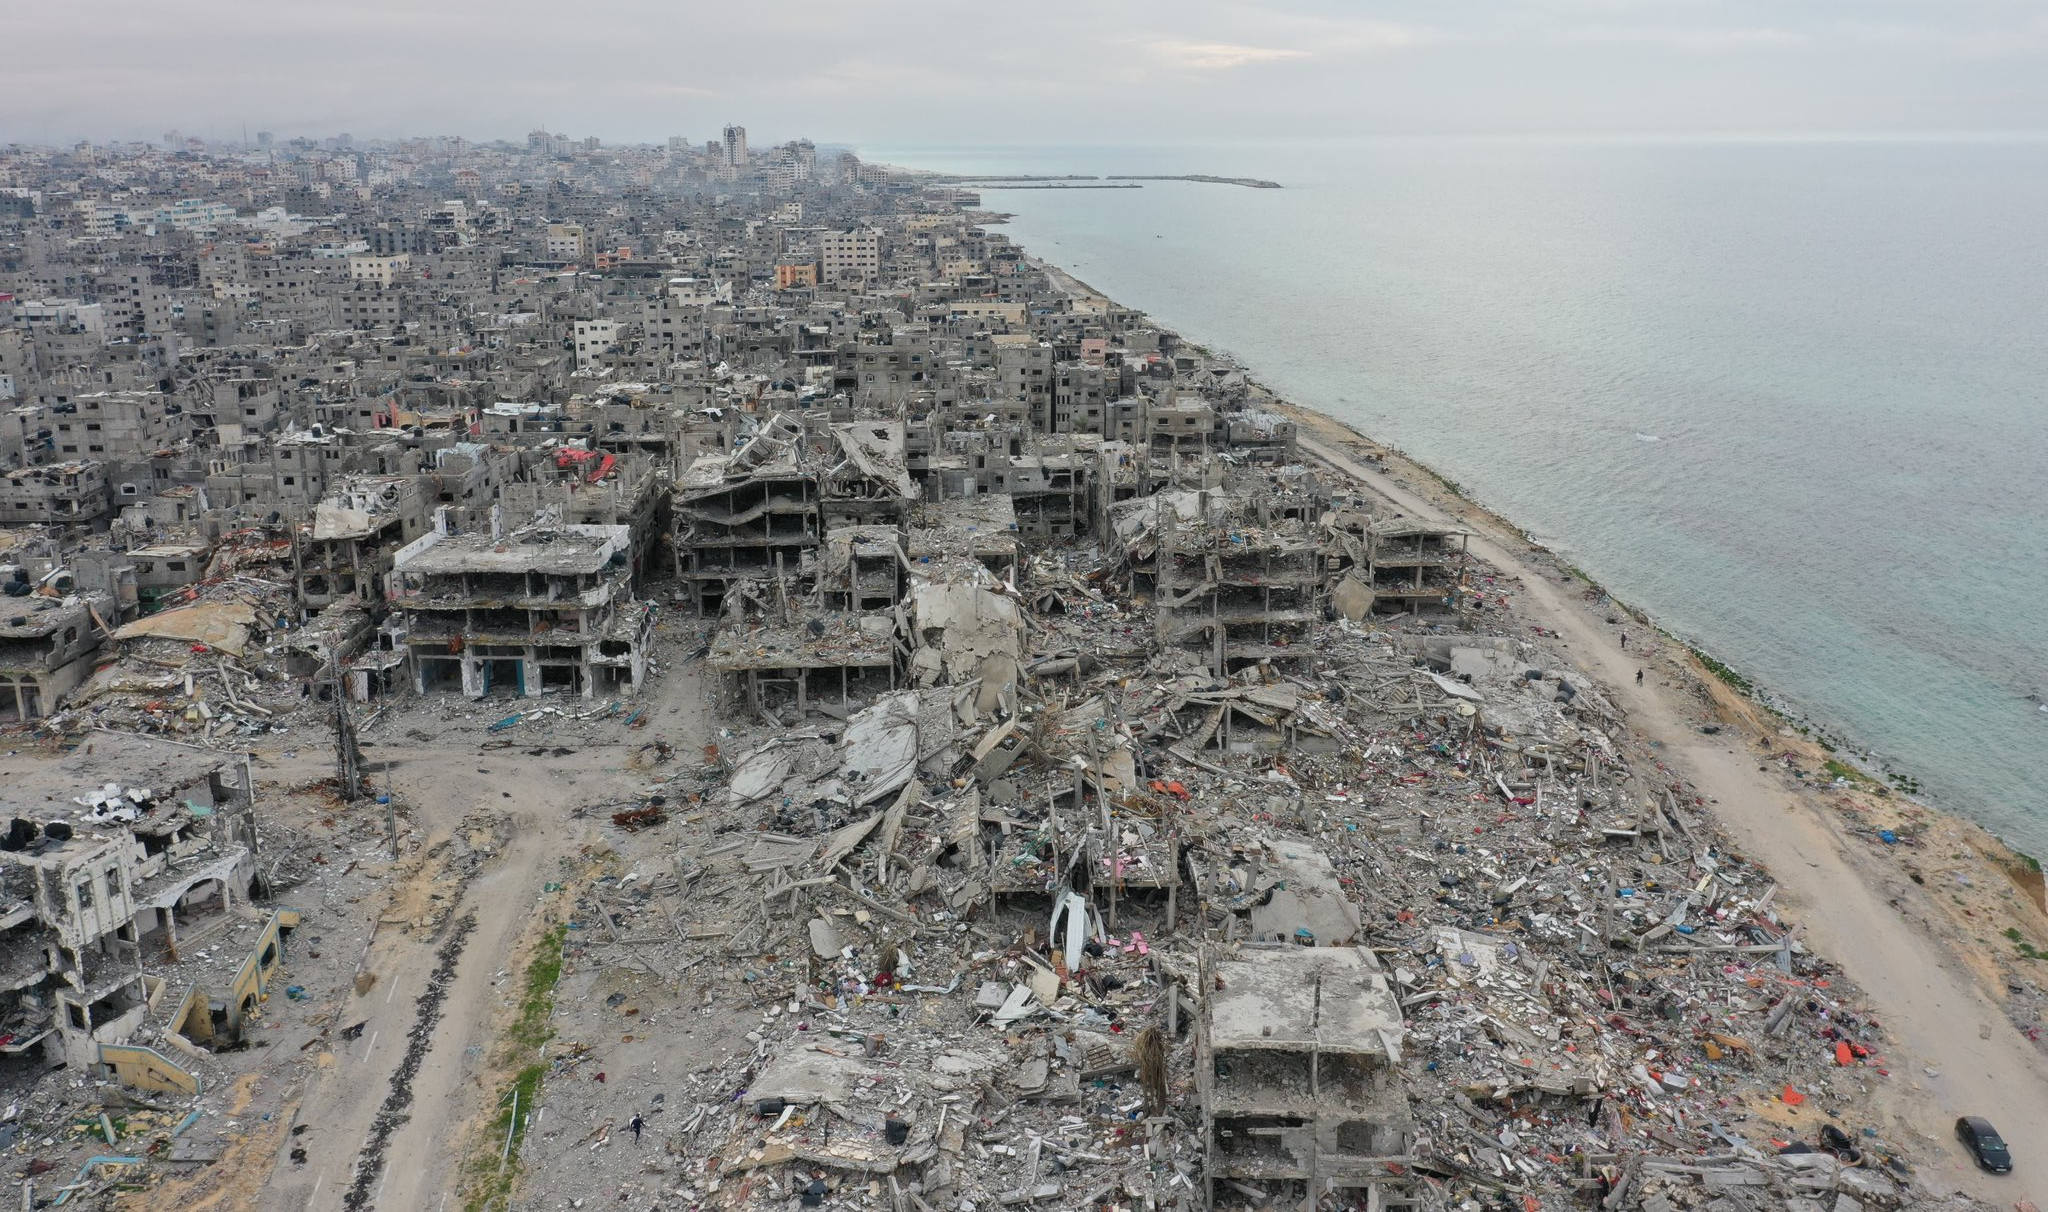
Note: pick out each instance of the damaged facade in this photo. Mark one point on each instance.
(100, 905)
(532, 611)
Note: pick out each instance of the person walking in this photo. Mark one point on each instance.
(1624, 641)
(636, 1125)
(1639, 677)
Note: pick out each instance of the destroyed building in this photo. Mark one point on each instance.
(1235, 579)
(752, 513)
(46, 649)
(1297, 1063)
(97, 901)
(522, 613)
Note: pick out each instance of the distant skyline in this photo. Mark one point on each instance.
(890, 71)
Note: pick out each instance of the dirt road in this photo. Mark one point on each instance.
(341, 1102)
(522, 804)
(1929, 1005)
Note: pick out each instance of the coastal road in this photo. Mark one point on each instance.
(1931, 1007)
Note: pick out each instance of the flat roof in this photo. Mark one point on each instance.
(36, 616)
(565, 549)
(1331, 999)
(1396, 528)
(171, 549)
(984, 524)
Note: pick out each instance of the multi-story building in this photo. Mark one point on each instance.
(1297, 1064)
(135, 306)
(86, 911)
(546, 608)
(593, 339)
(1024, 374)
(384, 270)
(853, 255)
(69, 493)
(792, 274)
(46, 648)
(567, 242)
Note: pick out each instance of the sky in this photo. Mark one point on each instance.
(1048, 71)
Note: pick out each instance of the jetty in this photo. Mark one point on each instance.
(1081, 181)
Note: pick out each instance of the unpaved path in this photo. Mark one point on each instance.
(532, 800)
(444, 787)
(1930, 1004)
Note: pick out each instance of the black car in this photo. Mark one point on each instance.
(1984, 1143)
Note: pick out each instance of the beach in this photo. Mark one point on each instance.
(1936, 990)
(1920, 926)
(1777, 396)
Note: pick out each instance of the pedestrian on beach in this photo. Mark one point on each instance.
(636, 1125)
(1624, 641)
(1639, 677)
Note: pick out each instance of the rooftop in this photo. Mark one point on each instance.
(561, 551)
(1330, 999)
(33, 617)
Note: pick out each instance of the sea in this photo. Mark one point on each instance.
(1787, 395)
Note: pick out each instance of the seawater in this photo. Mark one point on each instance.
(1788, 395)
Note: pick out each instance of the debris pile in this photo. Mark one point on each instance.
(1040, 949)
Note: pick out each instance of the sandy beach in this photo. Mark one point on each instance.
(1940, 935)
(1957, 1052)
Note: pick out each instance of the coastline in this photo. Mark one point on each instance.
(1944, 928)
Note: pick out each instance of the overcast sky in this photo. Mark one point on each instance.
(1042, 71)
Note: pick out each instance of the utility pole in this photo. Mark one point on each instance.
(348, 758)
(298, 573)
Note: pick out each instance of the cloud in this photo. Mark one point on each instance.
(1358, 35)
(887, 70)
(1220, 56)
(1341, 34)
(1696, 40)
(657, 90)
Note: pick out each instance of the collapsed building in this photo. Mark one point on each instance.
(543, 608)
(1297, 1061)
(1396, 564)
(100, 907)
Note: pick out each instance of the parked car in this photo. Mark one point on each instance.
(1984, 1143)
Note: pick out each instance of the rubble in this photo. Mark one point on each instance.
(989, 764)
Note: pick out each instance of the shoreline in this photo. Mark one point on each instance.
(1953, 983)
(930, 176)
(1840, 744)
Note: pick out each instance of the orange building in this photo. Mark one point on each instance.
(791, 274)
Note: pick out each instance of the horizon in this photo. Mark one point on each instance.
(282, 138)
(1153, 70)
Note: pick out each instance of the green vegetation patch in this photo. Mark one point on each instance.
(495, 1167)
(1735, 680)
